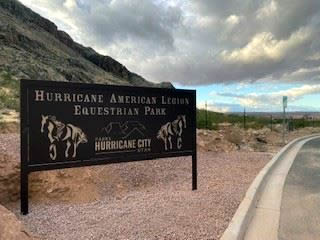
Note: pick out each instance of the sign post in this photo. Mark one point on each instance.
(65, 125)
(285, 104)
(194, 155)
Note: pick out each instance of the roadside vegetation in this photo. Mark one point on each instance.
(9, 92)
(213, 120)
(9, 100)
(9, 103)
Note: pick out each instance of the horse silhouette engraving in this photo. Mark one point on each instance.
(60, 132)
(172, 129)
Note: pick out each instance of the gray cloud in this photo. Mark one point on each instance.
(224, 8)
(201, 41)
(131, 21)
(102, 23)
(292, 15)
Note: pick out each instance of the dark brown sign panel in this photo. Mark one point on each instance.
(70, 125)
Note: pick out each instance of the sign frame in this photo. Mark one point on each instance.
(27, 168)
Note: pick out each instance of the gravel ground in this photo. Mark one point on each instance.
(10, 145)
(156, 201)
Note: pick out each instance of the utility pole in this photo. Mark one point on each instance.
(271, 122)
(313, 121)
(284, 103)
(293, 124)
(244, 119)
(206, 115)
(283, 127)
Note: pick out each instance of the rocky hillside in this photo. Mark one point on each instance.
(32, 47)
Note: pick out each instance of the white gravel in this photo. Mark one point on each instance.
(159, 204)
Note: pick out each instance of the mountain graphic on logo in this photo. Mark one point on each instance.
(129, 129)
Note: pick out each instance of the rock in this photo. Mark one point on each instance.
(11, 228)
(254, 132)
(261, 140)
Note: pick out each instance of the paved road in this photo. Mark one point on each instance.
(300, 206)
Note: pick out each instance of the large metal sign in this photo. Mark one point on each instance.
(67, 125)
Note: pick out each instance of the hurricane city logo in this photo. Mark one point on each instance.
(129, 136)
(60, 132)
(174, 130)
(129, 129)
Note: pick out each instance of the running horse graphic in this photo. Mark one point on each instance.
(172, 129)
(60, 132)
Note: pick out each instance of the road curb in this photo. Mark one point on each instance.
(243, 216)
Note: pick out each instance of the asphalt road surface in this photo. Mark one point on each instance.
(300, 206)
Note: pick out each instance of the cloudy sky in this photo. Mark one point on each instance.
(237, 53)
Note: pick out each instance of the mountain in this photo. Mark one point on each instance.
(32, 47)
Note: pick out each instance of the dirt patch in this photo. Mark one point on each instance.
(43, 185)
(9, 127)
(9, 121)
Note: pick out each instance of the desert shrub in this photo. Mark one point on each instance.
(254, 122)
(204, 122)
(234, 137)
(256, 125)
(214, 127)
(299, 123)
(201, 124)
(9, 92)
(259, 147)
